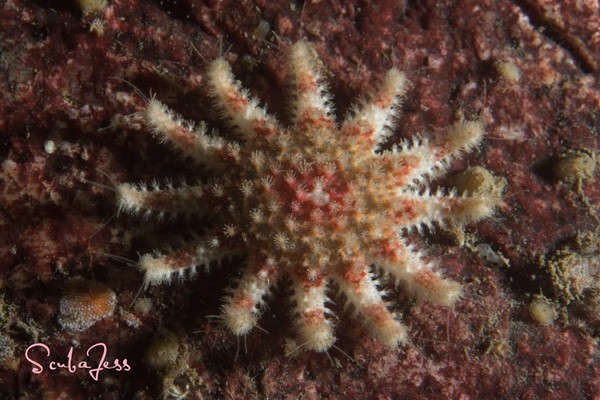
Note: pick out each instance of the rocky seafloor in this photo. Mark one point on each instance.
(74, 76)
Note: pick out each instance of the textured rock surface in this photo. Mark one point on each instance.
(67, 132)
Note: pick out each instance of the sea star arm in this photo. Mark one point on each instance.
(413, 210)
(406, 266)
(160, 268)
(241, 308)
(313, 326)
(236, 104)
(372, 122)
(192, 142)
(424, 159)
(361, 291)
(312, 106)
(137, 199)
(460, 137)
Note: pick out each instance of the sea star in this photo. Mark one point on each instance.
(315, 202)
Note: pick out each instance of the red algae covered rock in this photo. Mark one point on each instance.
(70, 131)
(84, 303)
(575, 22)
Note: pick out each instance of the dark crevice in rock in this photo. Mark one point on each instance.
(568, 42)
(178, 9)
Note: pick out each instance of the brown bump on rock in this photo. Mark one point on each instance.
(576, 168)
(84, 303)
(508, 71)
(542, 311)
(163, 352)
(479, 181)
(91, 6)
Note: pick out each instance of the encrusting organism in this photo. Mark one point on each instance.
(84, 303)
(316, 203)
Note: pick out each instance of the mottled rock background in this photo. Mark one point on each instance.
(70, 87)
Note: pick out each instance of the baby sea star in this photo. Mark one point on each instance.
(315, 202)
